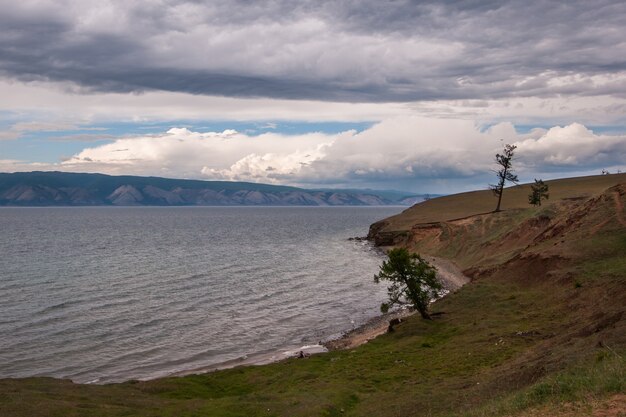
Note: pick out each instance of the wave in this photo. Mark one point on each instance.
(139, 292)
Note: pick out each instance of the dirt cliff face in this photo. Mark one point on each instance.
(381, 237)
(490, 240)
(571, 251)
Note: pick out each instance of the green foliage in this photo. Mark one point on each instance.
(539, 191)
(504, 173)
(413, 281)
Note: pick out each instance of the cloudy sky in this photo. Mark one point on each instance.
(409, 95)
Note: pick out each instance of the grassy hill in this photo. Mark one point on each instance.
(476, 202)
(540, 330)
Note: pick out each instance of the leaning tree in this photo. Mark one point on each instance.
(412, 281)
(504, 173)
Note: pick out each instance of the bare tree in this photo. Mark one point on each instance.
(504, 173)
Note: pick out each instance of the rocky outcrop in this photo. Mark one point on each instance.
(126, 195)
(381, 237)
(167, 197)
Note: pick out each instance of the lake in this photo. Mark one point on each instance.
(108, 294)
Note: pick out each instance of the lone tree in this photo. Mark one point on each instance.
(505, 173)
(539, 191)
(413, 281)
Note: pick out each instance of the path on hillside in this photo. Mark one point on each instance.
(451, 275)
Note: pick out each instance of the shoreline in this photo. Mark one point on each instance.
(451, 277)
(369, 330)
(448, 273)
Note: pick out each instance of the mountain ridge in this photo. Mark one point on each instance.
(54, 188)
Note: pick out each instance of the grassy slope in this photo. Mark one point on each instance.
(477, 202)
(541, 323)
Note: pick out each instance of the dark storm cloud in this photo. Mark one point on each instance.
(342, 51)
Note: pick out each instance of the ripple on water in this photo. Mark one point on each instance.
(109, 294)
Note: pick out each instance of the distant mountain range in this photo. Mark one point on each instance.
(72, 189)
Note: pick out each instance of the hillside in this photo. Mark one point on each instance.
(540, 330)
(477, 202)
(71, 189)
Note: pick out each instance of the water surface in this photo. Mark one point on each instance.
(111, 294)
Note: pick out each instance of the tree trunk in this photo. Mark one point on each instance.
(501, 185)
(424, 313)
(499, 199)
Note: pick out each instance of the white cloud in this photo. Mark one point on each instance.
(183, 153)
(418, 153)
(269, 167)
(17, 130)
(37, 126)
(573, 146)
(9, 135)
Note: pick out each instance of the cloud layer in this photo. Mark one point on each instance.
(442, 83)
(411, 153)
(353, 51)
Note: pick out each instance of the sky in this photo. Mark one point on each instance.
(415, 96)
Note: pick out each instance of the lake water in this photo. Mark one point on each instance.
(111, 294)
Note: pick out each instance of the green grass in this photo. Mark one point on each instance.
(422, 363)
(477, 202)
(580, 384)
(606, 259)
